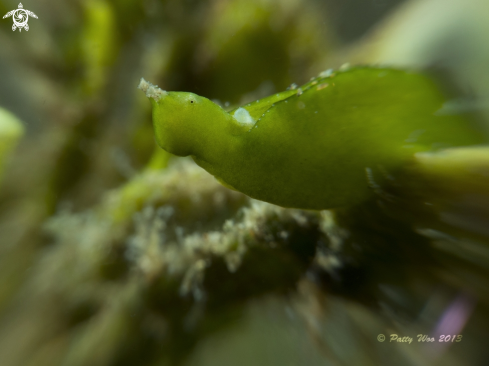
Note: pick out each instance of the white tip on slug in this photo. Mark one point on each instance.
(243, 117)
(151, 91)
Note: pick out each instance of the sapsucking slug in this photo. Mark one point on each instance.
(310, 147)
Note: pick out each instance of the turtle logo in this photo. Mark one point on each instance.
(20, 17)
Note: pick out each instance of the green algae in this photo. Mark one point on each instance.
(11, 130)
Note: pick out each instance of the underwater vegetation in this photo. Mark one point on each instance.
(272, 213)
(11, 130)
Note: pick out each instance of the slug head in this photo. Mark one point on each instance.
(184, 123)
(177, 119)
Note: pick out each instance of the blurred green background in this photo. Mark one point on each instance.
(113, 253)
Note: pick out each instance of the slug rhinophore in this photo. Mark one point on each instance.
(312, 147)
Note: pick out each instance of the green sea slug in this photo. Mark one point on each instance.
(317, 146)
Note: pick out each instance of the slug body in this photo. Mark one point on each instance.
(311, 147)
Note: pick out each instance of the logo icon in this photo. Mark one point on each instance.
(20, 17)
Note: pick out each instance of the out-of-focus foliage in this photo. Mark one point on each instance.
(11, 129)
(112, 253)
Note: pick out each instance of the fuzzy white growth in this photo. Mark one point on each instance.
(243, 117)
(151, 91)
